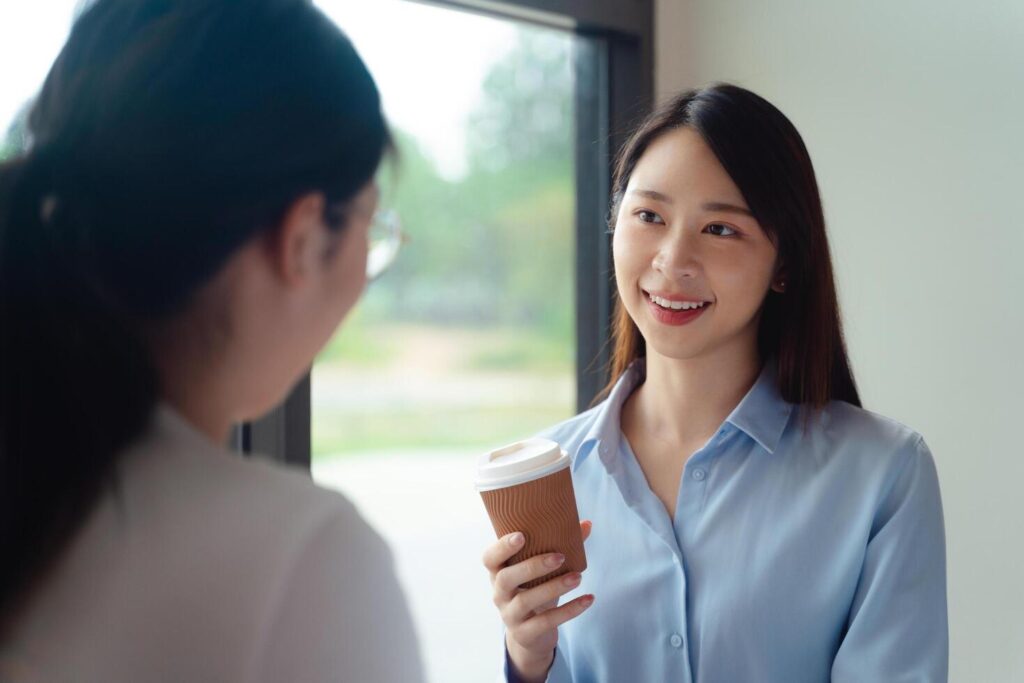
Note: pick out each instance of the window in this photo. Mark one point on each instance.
(489, 326)
(468, 342)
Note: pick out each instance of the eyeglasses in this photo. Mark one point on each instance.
(385, 238)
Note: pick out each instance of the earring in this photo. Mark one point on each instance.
(782, 285)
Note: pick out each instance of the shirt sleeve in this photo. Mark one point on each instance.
(897, 629)
(342, 615)
(558, 673)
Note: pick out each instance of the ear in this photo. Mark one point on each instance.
(780, 280)
(295, 247)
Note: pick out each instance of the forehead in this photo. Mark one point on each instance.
(679, 163)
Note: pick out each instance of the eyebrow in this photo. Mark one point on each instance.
(722, 206)
(707, 206)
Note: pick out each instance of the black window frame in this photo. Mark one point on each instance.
(615, 62)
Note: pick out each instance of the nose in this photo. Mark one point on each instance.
(677, 256)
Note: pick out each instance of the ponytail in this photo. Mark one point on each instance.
(75, 385)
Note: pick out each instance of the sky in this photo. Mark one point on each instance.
(414, 51)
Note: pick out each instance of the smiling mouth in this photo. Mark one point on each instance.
(675, 304)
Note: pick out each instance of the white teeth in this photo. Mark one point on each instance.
(676, 305)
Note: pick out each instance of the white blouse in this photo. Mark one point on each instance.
(199, 565)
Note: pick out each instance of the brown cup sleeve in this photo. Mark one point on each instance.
(545, 511)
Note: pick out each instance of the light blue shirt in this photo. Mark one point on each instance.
(794, 556)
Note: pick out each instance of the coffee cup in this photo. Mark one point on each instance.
(527, 487)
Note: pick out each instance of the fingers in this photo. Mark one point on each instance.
(532, 616)
(499, 553)
(536, 627)
(508, 580)
(541, 598)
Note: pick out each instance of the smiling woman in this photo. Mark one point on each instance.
(748, 519)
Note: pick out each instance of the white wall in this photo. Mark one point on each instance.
(913, 112)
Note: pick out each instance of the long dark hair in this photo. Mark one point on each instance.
(166, 135)
(765, 156)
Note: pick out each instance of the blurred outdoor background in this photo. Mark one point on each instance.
(468, 342)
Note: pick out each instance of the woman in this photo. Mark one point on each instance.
(751, 522)
(186, 230)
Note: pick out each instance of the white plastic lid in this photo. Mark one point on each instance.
(518, 463)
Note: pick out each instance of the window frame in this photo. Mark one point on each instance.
(615, 60)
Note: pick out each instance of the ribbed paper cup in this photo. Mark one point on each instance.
(527, 487)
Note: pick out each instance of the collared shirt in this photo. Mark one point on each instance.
(795, 555)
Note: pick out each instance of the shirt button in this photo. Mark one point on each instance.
(676, 640)
(699, 475)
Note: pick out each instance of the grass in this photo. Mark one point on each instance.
(423, 428)
(523, 350)
(359, 343)
(434, 387)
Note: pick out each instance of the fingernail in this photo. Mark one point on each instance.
(516, 540)
(571, 579)
(555, 560)
(587, 601)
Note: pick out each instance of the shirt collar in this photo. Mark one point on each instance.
(762, 414)
(606, 428)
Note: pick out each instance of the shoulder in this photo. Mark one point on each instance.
(340, 610)
(239, 509)
(865, 445)
(842, 422)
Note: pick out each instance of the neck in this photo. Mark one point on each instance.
(704, 389)
(199, 409)
(192, 381)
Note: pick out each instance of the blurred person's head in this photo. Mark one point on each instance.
(715, 205)
(192, 207)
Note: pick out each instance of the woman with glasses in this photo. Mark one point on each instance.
(748, 520)
(193, 217)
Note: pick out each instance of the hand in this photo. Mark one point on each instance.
(532, 616)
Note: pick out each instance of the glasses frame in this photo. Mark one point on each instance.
(384, 240)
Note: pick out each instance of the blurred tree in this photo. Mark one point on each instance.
(495, 247)
(525, 117)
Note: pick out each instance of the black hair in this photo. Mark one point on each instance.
(167, 134)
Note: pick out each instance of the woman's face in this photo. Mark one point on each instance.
(693, 266)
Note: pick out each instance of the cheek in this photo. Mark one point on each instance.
(624, 262)
(349, 270)
(741, 282)
(628, 255)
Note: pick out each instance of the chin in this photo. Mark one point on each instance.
(259, 401)
(679, 352)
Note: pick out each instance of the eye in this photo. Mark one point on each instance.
(721, 230)
(646, 216)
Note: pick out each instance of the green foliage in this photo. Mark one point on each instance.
(423, 428)
(358, 343)
(495, 247)
(491, 259)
